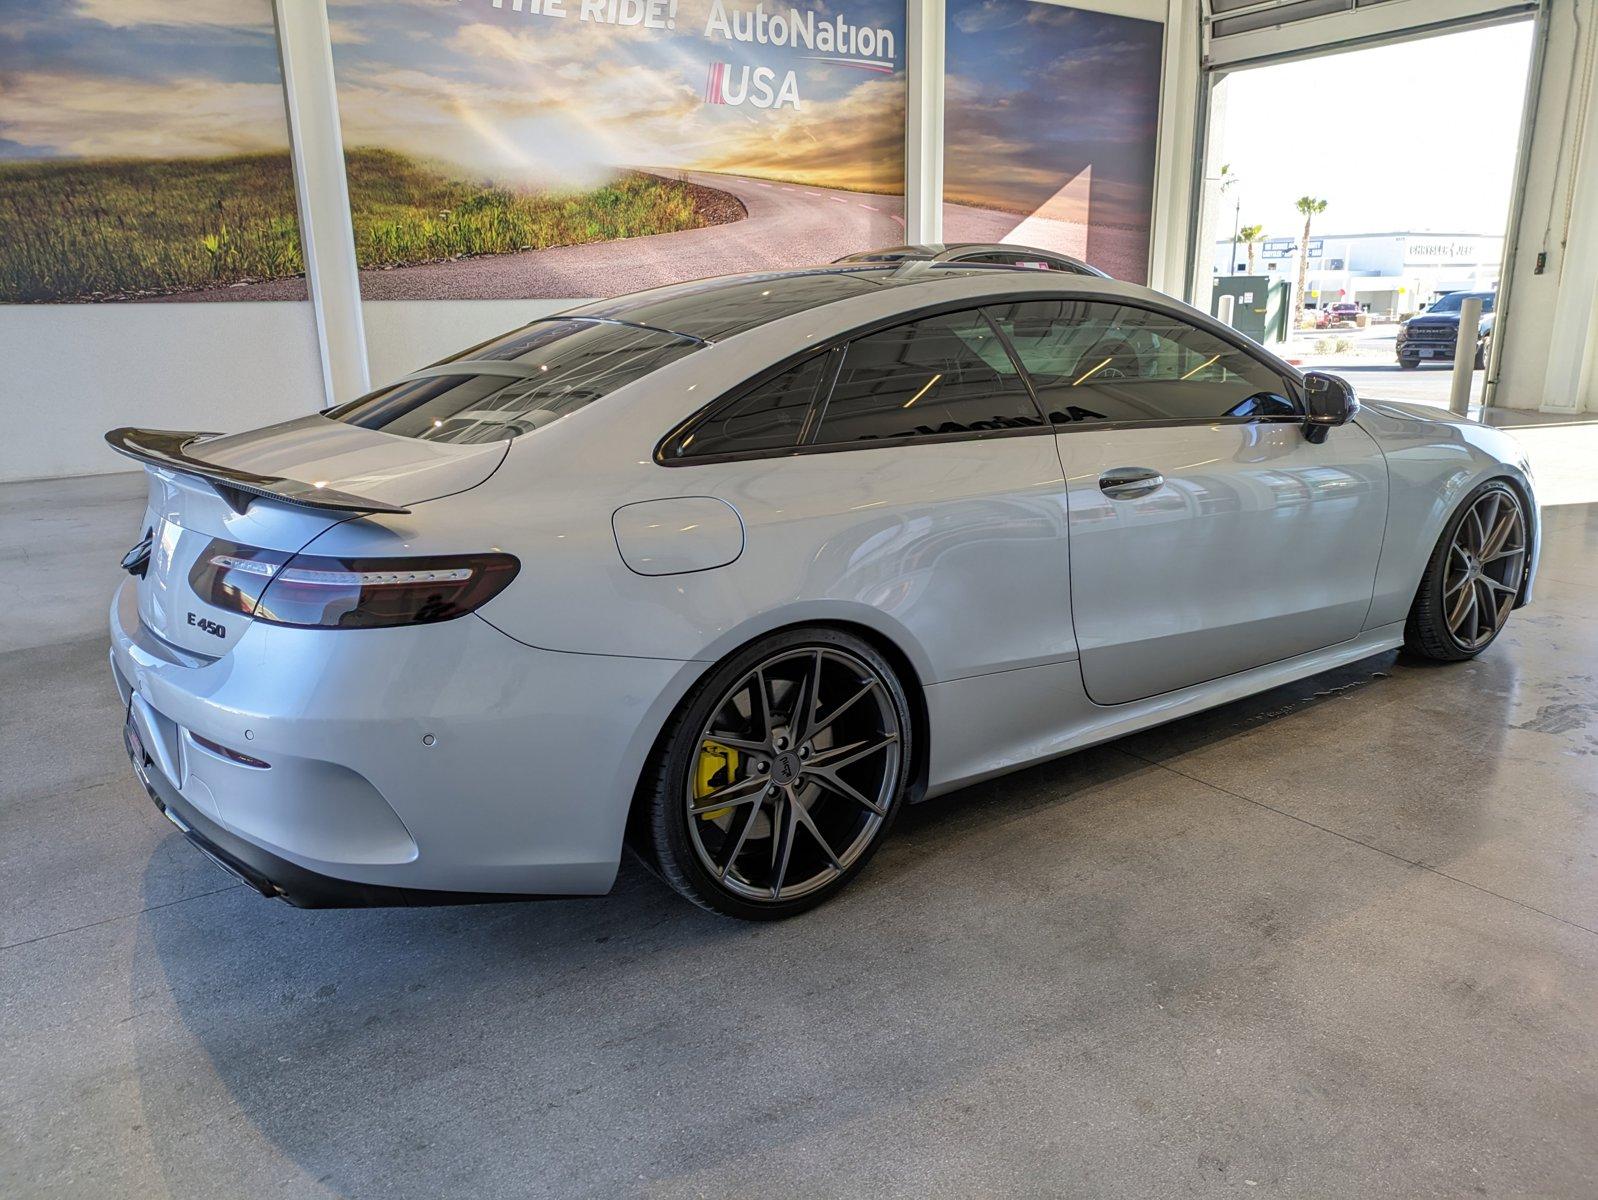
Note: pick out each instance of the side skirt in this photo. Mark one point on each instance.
(988, 725)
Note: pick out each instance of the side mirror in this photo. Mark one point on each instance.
(1329, 401)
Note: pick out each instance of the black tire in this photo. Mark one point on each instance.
(1427, 631)
(1481, 355)
(680, 853)
(1408, 364)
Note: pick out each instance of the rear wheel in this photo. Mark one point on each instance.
(1473, 578)
(781, 775)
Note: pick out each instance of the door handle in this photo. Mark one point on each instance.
(1128, 483)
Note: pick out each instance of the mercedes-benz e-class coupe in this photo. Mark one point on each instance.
(735, 570)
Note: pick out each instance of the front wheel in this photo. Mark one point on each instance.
(781, 775)
(1408, 364)
(1473, 578)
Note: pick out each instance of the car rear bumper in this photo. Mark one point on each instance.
(277, 877)
(429, 763)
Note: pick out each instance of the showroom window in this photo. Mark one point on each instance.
(941, 375)
(770, 416)
(1110, 362)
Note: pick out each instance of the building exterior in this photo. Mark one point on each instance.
(1385, 273)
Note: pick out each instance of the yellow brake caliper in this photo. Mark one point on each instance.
(717, 766)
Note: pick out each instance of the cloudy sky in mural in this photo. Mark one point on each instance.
(138, 78)
(549, 101)
(1037, 92)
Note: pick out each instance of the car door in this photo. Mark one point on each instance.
(908, 470)
(1208, 534)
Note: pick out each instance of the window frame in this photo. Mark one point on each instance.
(667, 449)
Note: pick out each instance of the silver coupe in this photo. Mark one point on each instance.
(732, 571)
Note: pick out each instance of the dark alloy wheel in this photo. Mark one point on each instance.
(781, 775)
(1474, 577)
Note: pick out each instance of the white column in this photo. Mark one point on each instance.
(923, 130)
(326, 237)
(1172, 255)
(1571, 382)
(1547, 334)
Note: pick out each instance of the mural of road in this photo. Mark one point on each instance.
(789, 224)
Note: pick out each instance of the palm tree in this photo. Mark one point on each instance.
(1248, 235)
(1311, 208)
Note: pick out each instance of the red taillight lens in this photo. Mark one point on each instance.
(316, 592)
(238, 756)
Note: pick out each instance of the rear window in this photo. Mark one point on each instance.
(516, 383)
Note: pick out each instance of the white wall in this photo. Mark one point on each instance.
(72, 371)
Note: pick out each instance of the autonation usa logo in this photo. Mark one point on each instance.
(864, 47)
(831, 39)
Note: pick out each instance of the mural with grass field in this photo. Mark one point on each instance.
(408, 211)
(143, 152)
(569, 148)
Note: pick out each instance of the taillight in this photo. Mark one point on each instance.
(318, 592)
(232, 576)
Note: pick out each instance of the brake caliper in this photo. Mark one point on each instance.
(717, 767)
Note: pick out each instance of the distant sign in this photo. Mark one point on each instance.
(1287, 247)
(1442, 250)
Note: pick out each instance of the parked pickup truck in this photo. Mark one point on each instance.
(1431, 335)
(1344, 312)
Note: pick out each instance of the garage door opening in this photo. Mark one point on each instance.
(1356, 200)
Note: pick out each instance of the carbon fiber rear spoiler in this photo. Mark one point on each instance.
(168, 448)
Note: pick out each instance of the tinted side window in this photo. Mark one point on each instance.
(944, 374)
(770, 416)
(1092, 361)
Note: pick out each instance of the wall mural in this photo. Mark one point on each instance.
(569, 148)
(1050, 117)
(144, 153)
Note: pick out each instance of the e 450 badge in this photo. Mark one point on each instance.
(205, 625)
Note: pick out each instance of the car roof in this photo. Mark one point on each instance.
(714, 309)
(964, 251)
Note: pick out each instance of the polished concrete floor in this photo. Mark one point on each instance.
(1338, 940)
